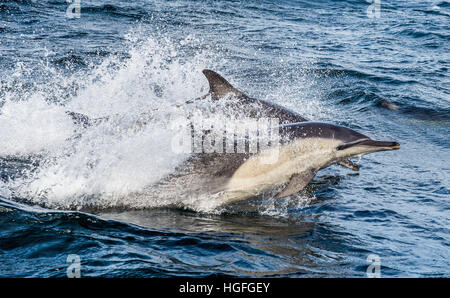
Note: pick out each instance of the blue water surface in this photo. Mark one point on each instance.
(385, 75)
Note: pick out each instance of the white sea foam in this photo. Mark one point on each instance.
(32, 126)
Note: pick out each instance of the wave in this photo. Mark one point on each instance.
(416, 33)
(73, 167)
(106, 166)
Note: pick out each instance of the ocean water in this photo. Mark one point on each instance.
(66, 189)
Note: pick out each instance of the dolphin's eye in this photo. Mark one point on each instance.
(350, 144)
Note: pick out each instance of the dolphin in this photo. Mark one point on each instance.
(304, 148)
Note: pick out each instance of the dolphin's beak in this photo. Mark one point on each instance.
(367, 146)
(379, 145)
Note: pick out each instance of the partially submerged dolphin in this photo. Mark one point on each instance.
(304, 148)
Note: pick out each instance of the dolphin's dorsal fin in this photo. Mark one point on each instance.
(218, 86)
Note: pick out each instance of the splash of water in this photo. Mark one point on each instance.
(103, 165)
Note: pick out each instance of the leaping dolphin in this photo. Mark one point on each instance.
(305, 148)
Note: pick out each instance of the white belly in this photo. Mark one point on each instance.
(256, 175)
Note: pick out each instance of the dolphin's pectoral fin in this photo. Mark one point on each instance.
(218, 86)
(297, 183)
(348, 164)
